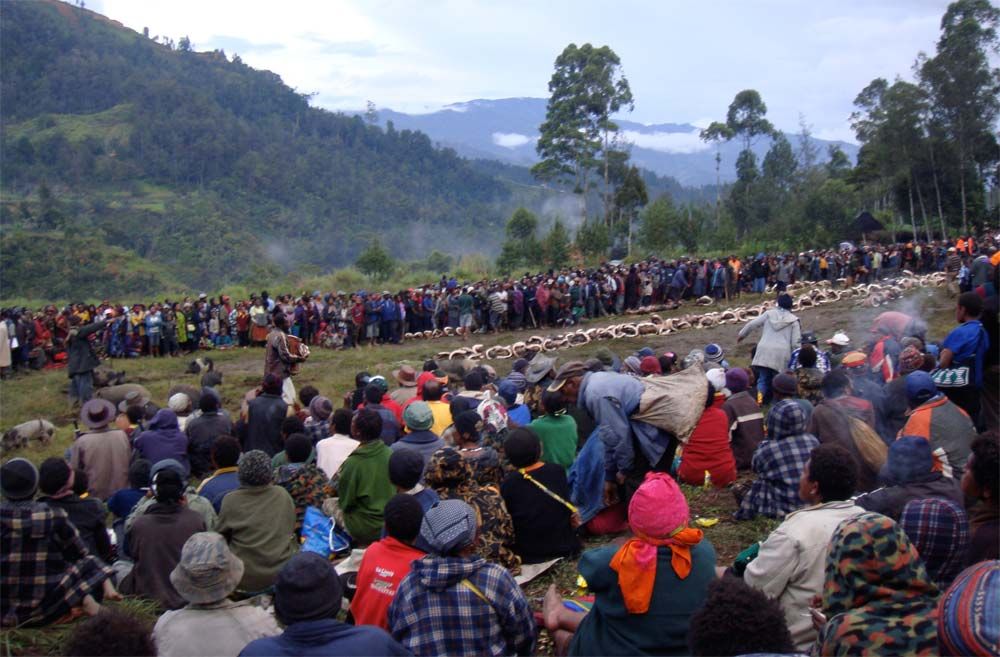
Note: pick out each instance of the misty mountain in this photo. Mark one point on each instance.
(506, 130)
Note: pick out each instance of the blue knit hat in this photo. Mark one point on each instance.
(910, 459)
(919, 387)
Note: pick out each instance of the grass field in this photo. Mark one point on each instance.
(42, 395)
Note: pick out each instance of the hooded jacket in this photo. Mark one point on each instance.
(434, 613)
(781, 335)
(163, 439)
(326, 637)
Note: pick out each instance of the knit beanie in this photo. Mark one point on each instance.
(18, 479)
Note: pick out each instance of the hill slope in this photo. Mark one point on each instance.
(211, 170)
(505, 129)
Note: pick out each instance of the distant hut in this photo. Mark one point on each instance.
(865, 224)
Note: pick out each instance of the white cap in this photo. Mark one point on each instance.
(179, 402)
(839, 338)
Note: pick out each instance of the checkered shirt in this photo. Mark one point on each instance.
(778, 465)
(939, 529)
(433, 613)
(317, 430)
(46, 569)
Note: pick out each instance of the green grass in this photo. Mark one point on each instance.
(112, 126)
(42, 395)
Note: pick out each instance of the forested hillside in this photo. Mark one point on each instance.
(211, 170)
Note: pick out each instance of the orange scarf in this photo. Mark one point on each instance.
(635, 563)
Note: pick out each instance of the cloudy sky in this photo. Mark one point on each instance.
(685, 60)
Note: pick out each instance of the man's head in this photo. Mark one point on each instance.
(737, 619)
(469, 425)
(836, 384)
(920, 388)
(403, 517)
(298, 447)
(432, 390)
(522, 447)
(306, 395)
(139, 473)
(474, 380)
(307, 588)
(981, 479)
(226, 452)
(366, 426)
(406, 467)
(830, 475)
(450, 528)
(567, 380)
(373, 394)
(255, 468)
(969, 307)
(784, 386)
(167, 486)
(292, 424)
(807, 356)
(341, 421)
(55, 477)
(208, 403)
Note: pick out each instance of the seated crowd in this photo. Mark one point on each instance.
(885, 488)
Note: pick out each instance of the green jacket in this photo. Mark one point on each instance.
(182, 327)
(363, 489)
(259, 524)
(557, 433)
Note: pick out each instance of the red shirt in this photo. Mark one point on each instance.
(708, 449)
(383, 567)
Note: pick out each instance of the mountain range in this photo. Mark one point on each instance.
(506, 129)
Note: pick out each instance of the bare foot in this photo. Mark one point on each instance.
(551, 607)
(110, 593)
(90, 606)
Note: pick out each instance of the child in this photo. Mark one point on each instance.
(537, 497)
(406, 469)
(556, 430)
(387, 562)
(123, 501)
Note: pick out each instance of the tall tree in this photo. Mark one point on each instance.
(964, 86)
(630, 197)
(587, 87)
(555, 246)
(375, 262)
(717, 133)
(521, 246)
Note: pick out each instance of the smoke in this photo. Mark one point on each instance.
(278, 253)
(567, 207)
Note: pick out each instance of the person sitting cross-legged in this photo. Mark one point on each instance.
(387, 562)
(307, 598)
(456, 603)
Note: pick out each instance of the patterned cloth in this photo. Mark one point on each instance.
(45, 569)
(778, 464)
(308, 486)
(969, 612)
(878, 597)
(939, 529)
(452, 477)
(317, 430)
(436, 613)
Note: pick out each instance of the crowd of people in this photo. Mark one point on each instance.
(549, 299)
(879, 455)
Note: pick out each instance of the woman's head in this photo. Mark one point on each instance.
(939, 529)
(255, 468)
(522, 447)
(447, 469)
(981, 479)
(658, 508)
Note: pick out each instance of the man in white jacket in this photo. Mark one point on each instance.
(781, 335)
(790, 565)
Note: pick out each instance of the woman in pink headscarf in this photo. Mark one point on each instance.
(646, 589)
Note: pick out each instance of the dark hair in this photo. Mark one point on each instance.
(666, 363)
(138, 473)
(135, 413)
(208, 403)
(835, 383)
(53, 474)
(373, 394)
(168, 486)
(341, 421)
(972, 303)
(834, 470)
(457, 406)
(271, 385)
(368, 424)
(307, 394)
(361, 379)
(737, 620)
(111, 633)
(298, 447)
(430, 365)
(403, 515)
(986, 463)
(553, 402)
(433, 390)
(807, 356)
(226, 451)
(522, 447)
(81, 482)
(280, 320)
(474, 380)
(711, 395)
(292, 424)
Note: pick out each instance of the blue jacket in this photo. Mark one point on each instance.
(325, 638)
(610, 399)
(586, 478)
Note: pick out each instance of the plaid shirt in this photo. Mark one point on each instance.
(434, 613)
(45, 569)
(778, 465)
(317, 430)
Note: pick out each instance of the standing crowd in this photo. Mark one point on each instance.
(878, 455)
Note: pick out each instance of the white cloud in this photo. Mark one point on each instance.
(511, 140)
(667, 142)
